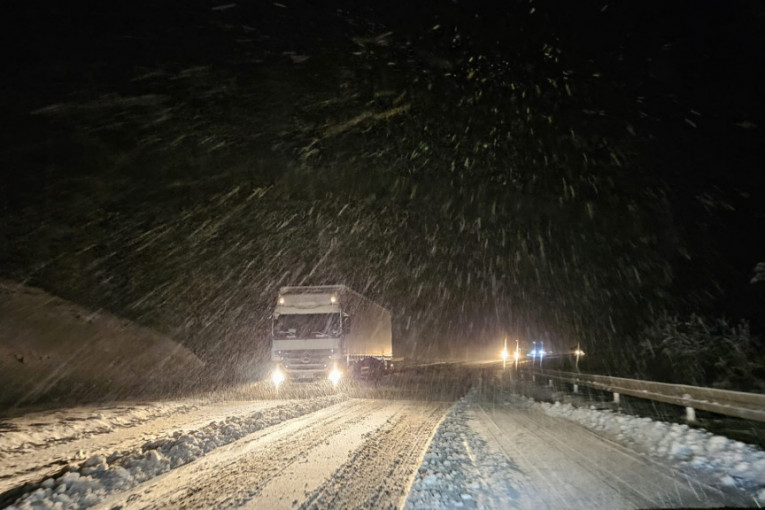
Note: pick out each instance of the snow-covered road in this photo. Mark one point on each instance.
(357, 453)
(41, 444)
(326, 452)
(489, 450)
(512, 454)
(562, 465)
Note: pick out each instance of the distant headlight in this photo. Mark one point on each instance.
(334, 376)
(277, 377)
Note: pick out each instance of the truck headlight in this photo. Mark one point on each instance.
(277, 377)
(334, 376)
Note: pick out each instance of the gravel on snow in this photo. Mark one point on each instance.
(459, 469)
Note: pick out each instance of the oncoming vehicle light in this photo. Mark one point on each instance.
(277, 377)
(334, 376)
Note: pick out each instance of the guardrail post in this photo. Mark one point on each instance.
(550, 383)
(576, 388)
(616, 398)
(690, 414)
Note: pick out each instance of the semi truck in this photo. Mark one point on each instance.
(328, 332)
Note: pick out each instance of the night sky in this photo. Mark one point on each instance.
(557, 171)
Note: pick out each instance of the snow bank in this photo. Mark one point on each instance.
(55, 350)
(87, 484)
(733, 463)
(42, 429)
(459, 469)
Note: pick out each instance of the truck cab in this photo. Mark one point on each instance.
(318, 331)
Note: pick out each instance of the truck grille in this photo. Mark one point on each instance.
(306, 360)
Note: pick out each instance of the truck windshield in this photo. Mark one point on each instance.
(319, 325)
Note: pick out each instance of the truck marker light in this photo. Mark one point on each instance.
(333, 299)
(281, 300)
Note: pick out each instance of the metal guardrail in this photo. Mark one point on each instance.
(750, 406)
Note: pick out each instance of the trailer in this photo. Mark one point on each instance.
(328, 332)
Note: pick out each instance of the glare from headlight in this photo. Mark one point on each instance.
(277, 377)
(334, 376)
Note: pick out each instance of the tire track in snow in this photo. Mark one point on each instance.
(100, 477)
(587, 470)
(653, 480)
(102, 431)
(520, 483)
(378, 474)
(275, 468)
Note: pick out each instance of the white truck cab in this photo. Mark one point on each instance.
(319, 331)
